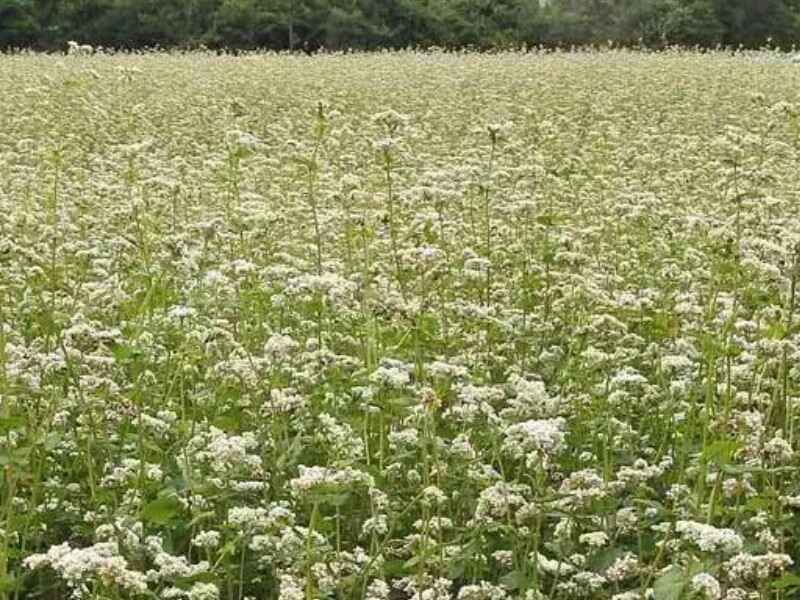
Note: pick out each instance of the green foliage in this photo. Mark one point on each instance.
(670, 585)
(163, 509)
(369, 24)
(18, 25)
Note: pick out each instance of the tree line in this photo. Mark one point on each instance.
(370, 24)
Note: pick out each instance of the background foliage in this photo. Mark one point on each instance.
(369, 24)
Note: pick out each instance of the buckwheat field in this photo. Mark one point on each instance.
(399, 326)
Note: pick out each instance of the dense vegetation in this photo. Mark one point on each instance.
(338, 24)
(399, 326)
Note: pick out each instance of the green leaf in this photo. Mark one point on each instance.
(721, 452)
(395, 567)
(7, 583)
(51, 441)
(209, 514)
(11, 423)
(670, 585)
(605, 558)
(515, 580)
(186, 582)
(124, 353)
(741, 469)
(789, 580)
(777, 331)
(758, 503)
(17, 457)
(337, 499)
(456, 570)
(227, 422)
(163, 509)
(227, 550)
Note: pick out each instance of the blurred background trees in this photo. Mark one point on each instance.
(369, 24)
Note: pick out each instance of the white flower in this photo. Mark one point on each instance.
(377, 525)
(180, 312)
(172, 567)
(778, 451)
(709, 538)
(290, 588)
(497, 501)
(595, 539)
(204, 591)
(228, 455)
(393, 374)
(438, 589)
(641, 471)
(432, 495)
(791, 501)
(582, 486)
(747, 568)
(623, 567)
(482, 591)
(628, 596)
(324, 478)
(378, 590)
(545, 436)
(587, 580)
(240, 516)
(101, 561)
(280, 346)
(242, 141)
(707, 585)
(206, 539)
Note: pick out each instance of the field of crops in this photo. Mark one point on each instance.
(400, 326)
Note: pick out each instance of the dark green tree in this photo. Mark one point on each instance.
(337, 24)
(752, 22)
(18, 24)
